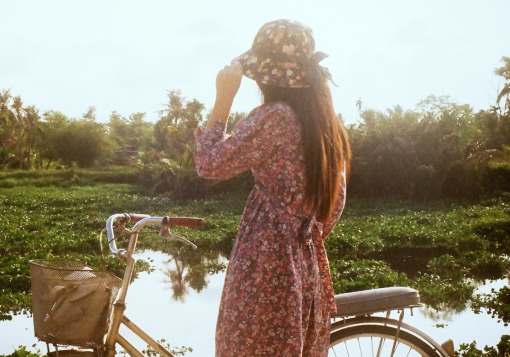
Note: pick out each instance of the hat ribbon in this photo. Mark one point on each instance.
(315, 59)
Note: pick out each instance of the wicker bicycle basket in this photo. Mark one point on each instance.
(71, 303)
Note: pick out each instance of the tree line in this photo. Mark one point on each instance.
(439, 149)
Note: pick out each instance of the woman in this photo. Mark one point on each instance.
(278, 295)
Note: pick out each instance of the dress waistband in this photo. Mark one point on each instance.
(310, 232)
(309, 223)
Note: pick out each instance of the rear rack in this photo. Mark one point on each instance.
(376, 300)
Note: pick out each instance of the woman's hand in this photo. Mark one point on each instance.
(228, 82)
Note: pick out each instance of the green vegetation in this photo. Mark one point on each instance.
(442, 249)
(440, 149)
(439, 248)
(62, 214)
(502, 349)
(23, 352)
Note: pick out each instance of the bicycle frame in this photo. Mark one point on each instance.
(118, 318)
(113, 336)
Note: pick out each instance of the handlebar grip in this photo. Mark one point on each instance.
(186, 222)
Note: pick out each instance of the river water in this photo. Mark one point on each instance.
(184, 314)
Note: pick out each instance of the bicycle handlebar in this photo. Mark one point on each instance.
(190, 222)
(142, 220)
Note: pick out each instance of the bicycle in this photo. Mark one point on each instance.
(355, 331)
(61, 288)
(74, 305)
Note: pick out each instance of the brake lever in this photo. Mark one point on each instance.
(164, 232)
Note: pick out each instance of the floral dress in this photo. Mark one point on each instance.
(277, 296)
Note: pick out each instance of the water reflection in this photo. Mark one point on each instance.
(179, 299)
(182, 276)
(189, 269)
(447, 280)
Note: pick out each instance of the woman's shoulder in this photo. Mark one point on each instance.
(273, 114)
(271, 118)
(274, 108)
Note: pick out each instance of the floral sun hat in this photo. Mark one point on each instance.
(283, 54)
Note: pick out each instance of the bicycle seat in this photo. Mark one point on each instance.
(376, 300)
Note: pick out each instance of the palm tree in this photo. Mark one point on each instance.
(359, 104)
(6, 127)
(504, 72)
(17, 105)
(5, 97)
(32, 130)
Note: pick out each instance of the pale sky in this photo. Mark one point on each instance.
(124, 55)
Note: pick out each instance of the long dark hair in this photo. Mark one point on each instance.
(326, 146)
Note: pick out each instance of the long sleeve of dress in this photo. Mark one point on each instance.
(219, 155)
